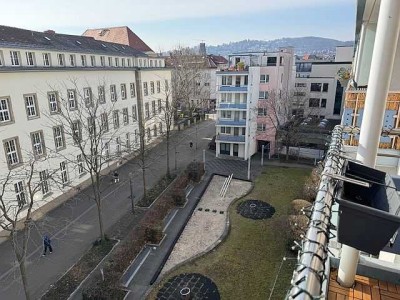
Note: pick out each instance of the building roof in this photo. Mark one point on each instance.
(218, 59)
(49, 40)
(120, 35)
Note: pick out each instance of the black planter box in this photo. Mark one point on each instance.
(368, 216)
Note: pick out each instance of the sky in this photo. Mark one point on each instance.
(166, 24)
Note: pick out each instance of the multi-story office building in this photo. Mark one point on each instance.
(317, 92)
(244, 93)
(45, 73)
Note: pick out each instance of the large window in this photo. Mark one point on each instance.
(72, 99)
(271, 61)
(116, 119)
(12, 151)
(76, 132)
(226, 80)
(315, 87)
(87, 96)
(261, 127)
(323, 102)
(30, 58)
(58, 133)
(72, 60)
(262, 111)
(133, 91)
(64, 172)
(263, 95)
(226, 114)
(79, 161)
(264, 78)
(123, 91)
(38, 143)
(134, 113)
(5, 111)
(158, 86)
(102, 61)
(61, 59)
(20, 193)
(44, 181)
(83, 60)
(313, 102)
(145, 89)
(104, 122)
(93, 60)
(125, 116)
(159, 106)
(300, 84)
(113, 93)
(102, 95)
(14, 58)
(325, 87)
(31, 106)
(46, 59)
(225, 148)
(153, 107)
(152, 87)
(53, 102)
(147, 110)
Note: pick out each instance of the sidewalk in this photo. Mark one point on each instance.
(73, 225)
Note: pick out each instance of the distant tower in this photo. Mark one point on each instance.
(202, 49)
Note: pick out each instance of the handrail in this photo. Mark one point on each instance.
(309, 276)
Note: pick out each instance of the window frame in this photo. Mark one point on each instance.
(123, 91)
(59, 138)
(8, 110)
(88, 96)
(30, 58)
(16, 152)
(113, 93)
(38, 144)
(116, 122)
(53, 104)
(61, 59)
(64, 172)
(46, 59)
(145, 89)
(132, 89)
(125, 116)
(15, 58)
(43, 181)
(19, 188)
(31, 106)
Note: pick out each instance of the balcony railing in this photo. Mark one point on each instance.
(232, 106)
(231, 138)
(232, 88)
(227, 122)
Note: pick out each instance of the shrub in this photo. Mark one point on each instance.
(153, 234)
(311, 186)
(297, 205)
(297, 226)
(179, 196)
(194, 171)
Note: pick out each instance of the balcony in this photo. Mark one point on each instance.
(232, 106)
(233, 88)
(231, 138)
(230, 122)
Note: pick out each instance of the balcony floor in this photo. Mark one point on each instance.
(365, 288)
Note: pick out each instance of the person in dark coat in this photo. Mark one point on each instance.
(47, 245)
(116, 177)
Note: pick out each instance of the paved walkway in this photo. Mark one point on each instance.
(73, 225)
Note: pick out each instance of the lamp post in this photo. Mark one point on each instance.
(131, 195)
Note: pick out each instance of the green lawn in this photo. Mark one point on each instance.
(245, 265)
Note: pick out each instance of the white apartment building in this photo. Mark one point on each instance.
(41, 71)
(317, 89)
(243, 91)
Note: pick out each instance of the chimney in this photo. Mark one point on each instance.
(202, 49)
(50, 31)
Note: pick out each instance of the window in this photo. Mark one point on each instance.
(226, 130)
(206, 84)
(262, 111)
(325, 87)
(87, 96)
(153, 107)
(38, 143)
(125, 116)
(116, 119)
(104, 122)
(127, 141)
(159, 106)
(133, 92)
(102, 96)
(83, 60)
(148, 133)
(160, 126)
(76, 132)
(1, 58)
(226, 80)
(136, 136)
(166, 85)
(152, 87)
(53, 102)
(14, 58)
(123, 91)
(93, 60)
(30, 58)
(12, 151)
(140, 62)
(117, 62)
(134, 113)
(129, 62)
(44, 181)
(147, 110)
(151, 63)
(145, 90)
(71, 99)
(91, 125)
(110, 61)
(315, 87)
(107, 150)
(102, 61)
(118, 145)
(263, 95)
(46, 59)
(271, 61)
(300, 84)
(31, 106)
(226, 114)
(64, 172)
(260, 127)
(72, 60)
(264, 78)
(323, 102)
(299, 94)
(123, 62)
(61, 60)
(113, 93)
(313, 102)
(225, 148)
(20, 193)
(155, 129)
(58, 133)
(158, 86)
(79, 161)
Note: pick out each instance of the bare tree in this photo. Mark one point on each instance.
(85, 117)
(19, 191)
(286, 112)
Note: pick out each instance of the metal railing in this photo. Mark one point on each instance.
(225, 186)
(310, 275)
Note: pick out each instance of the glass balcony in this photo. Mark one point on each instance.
(229, 88)
(231, 138)
(228, 106)
(229, 122)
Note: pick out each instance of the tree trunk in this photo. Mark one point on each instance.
(167, 142)
(20, 254)
(24, 277)
(144, 180)
(287, 152)
(97, 199)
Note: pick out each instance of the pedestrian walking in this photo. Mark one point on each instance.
(191, 144)
(116, 177)
(47, 245)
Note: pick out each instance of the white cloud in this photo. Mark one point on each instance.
(46, 14)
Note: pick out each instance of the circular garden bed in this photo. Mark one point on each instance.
(255, 209)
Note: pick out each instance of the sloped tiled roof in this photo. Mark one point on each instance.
(218, 59)
(120, 35)
(22, 38)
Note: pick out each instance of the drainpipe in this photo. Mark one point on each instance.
(387, 33)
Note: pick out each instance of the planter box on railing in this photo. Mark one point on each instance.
(368, 215)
